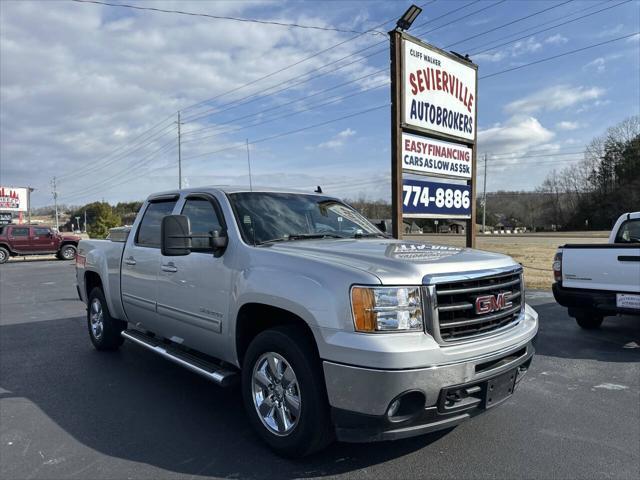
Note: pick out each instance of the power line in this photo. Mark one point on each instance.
(461, 18)
(305, 97)
(571, 52)
(221, 17)
(291, 132)
(128, 171)
(96, 164)
(288, 115)
(477, 52)
(509, 23)
(252, 82)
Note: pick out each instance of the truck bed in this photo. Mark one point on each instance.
(610, 267)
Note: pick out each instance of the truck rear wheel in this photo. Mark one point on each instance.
(104, 331)
(4, 255)
(67, 252)
(589, 320)
(284, 393)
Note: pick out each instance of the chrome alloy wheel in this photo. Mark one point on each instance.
(68, 253)
(276, 393)
(2, 256)
(96, 318)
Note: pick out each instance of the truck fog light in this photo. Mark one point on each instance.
(393, 408)
(406, 406)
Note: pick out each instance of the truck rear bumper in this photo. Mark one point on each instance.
(429, 399)
(578, 299)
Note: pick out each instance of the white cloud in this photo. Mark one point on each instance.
(557, 39)
(598, 64)
(338, 140)
(519, 48)
(554, 98)
(567, 125)
(80, 81)
(518, 134)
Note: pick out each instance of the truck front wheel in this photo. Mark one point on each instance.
(4, 255)
(284, 393)
(67, 252)
(589, 320)
(104, 331)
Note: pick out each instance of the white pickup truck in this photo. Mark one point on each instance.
(594, 281)
(331, 328)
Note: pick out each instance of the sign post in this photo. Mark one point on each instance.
(433, 133)
(396, 132)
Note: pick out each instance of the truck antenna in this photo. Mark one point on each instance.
(249, 164)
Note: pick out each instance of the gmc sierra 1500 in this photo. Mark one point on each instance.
(333, 329)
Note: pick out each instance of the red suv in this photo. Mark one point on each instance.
(18, 240)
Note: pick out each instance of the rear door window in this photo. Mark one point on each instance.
(20, 232)
(149, 231)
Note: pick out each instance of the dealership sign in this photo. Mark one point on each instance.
(13, 199)
(422, 199)
(428, 156)
(439, 91)
(5, 218)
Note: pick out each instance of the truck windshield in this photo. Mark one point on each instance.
(270, 217)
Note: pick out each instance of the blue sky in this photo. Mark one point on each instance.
(83, 85)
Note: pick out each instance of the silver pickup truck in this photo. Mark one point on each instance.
(332, 329)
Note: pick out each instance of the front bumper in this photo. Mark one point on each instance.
(360, 397)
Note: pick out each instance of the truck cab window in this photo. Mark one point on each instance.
(629, 232)
(149, 231)
(203, 219)
(41, 232)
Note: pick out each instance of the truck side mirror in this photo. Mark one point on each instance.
(218, 241)
(175, 236)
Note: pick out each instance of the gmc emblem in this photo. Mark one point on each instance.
(492, 303)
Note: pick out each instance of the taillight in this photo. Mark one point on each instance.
(557, 267)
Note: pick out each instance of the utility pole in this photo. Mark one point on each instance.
(249, 163)
(55, 200)
(29, 190)
(484, 194)
(179, 154)
(85, 221)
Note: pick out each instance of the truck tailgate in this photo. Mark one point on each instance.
(613, 267)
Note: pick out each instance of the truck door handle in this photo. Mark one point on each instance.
(130, 261)
(629, 258)
(169, 267)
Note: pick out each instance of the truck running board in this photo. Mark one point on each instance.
(220, 375)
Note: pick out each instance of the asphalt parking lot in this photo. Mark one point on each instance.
(68, 411)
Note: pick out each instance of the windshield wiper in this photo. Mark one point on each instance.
(370, 235)
(301, 236)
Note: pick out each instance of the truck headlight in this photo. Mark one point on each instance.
(386, 309)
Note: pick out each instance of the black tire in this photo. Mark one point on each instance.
(4, 255)
(313, 429)
(107, 337)
(67, 252)
(589, 320)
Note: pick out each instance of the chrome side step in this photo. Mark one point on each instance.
(222, 376)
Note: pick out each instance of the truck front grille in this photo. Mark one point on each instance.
(467, 308)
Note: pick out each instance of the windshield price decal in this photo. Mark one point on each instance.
(432, 199)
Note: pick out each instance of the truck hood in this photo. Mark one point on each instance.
(395, 261)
